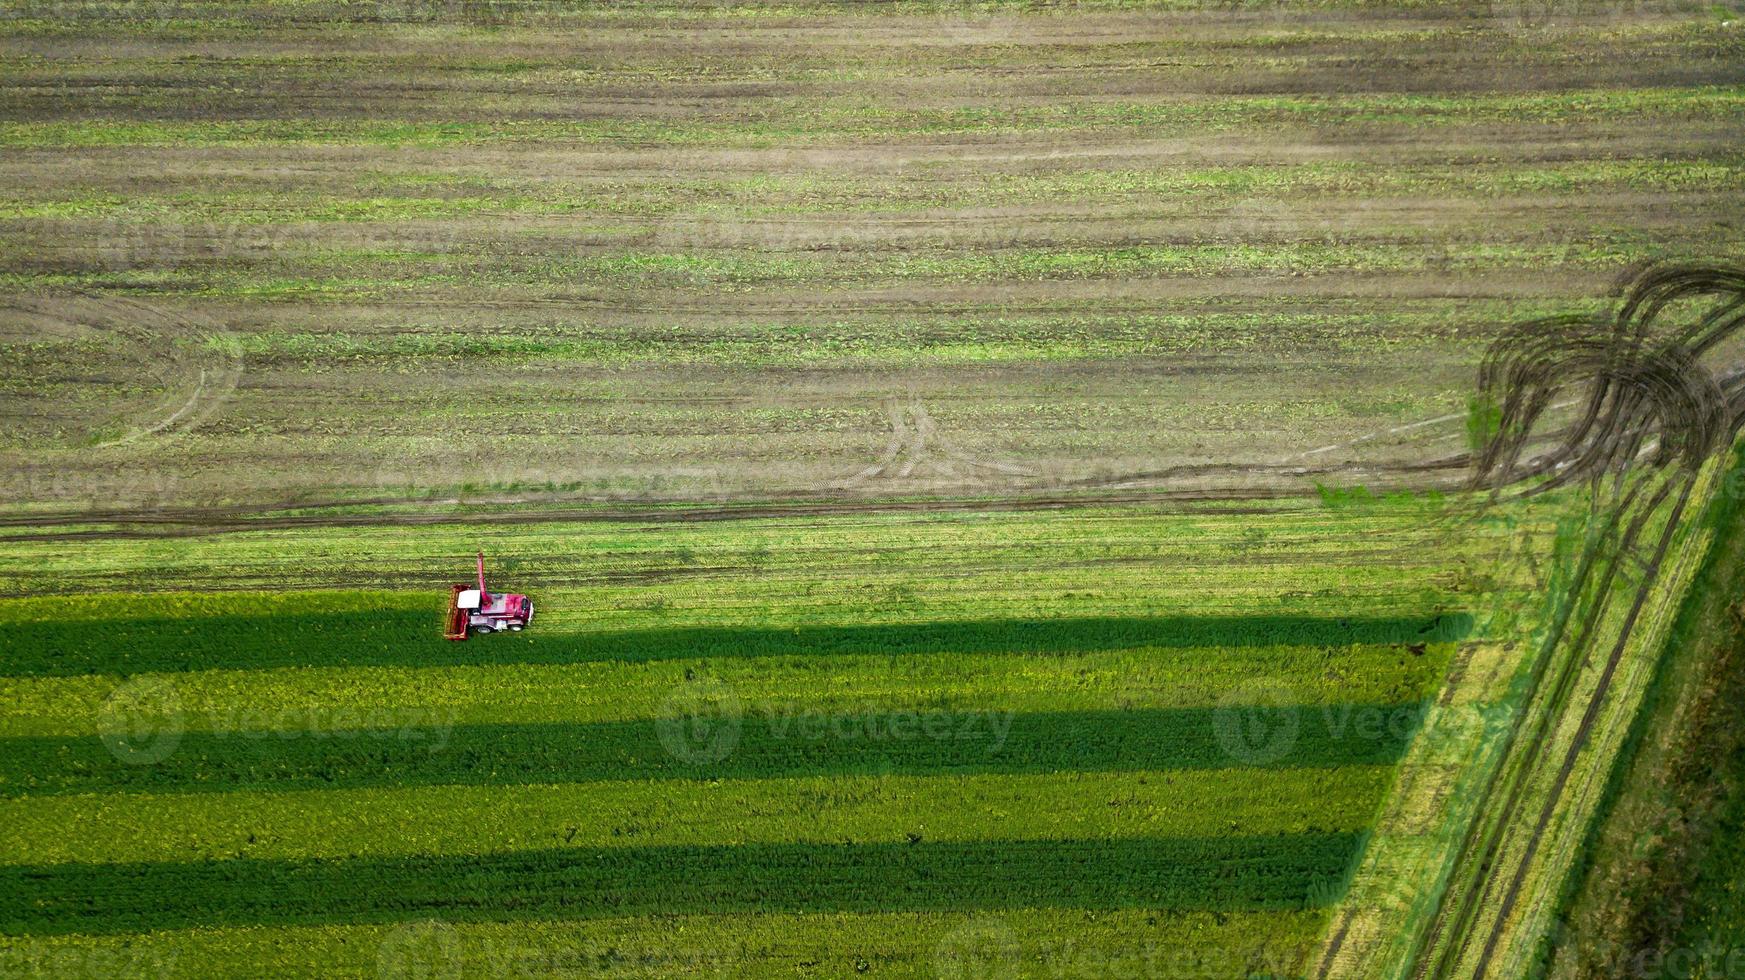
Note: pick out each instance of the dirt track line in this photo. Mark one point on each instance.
(1331, 955)
(1483, 837)
(1423, 961)
(1408, 427)
(1582, 733)
(190, 525)
(1379, 434)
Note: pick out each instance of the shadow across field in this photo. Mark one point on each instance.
(756, 745)
(1222, 873)
(412, 637)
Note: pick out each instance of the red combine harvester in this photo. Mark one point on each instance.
(478, 611)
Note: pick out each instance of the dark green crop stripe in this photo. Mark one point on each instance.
(1174, 873)
(400, 636)
(758, 745)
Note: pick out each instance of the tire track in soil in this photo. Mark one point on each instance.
(1580, 739)
(198, 361)
(1054, 495)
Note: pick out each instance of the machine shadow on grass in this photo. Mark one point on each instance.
(899, 741)
(1186, 873)
(413, 636)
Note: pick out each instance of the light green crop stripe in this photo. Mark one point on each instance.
(1048, 942)
(344, 698)
(451, 820)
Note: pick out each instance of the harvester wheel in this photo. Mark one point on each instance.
(482, 628)
(516, 628)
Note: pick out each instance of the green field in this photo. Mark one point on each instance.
(303, 778)
(983, 470)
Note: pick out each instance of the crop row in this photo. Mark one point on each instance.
(802, 339)
(1303, 546)
(1226, 872)
(295, 698)
(403, 196)
(816, 809)
(538, 49)
(54, 646)
(1047, 942)
(917, 573)
(372, 272)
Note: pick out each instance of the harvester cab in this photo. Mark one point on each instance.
(477, 610)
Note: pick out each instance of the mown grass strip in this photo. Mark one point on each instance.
(1274, 872)
(713, 565)
(52, 646)
(712, 743)
(631, 813)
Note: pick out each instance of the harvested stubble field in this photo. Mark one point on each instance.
(302, 302)
(664, 250)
